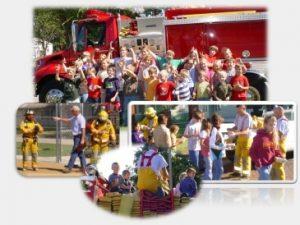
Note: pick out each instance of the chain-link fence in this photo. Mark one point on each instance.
(57, 139)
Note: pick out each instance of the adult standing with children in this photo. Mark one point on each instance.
(242, 131)
(163, 141)
(277, 172)
(78, 127)
(152, 170)
(161, 134)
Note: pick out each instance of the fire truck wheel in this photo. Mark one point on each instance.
(253, 94)
(51, 93)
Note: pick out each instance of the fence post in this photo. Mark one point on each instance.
(58, 133)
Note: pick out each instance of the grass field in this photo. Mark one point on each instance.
(46, 150)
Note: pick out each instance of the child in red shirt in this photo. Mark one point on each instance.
(265, 148)
(240, 84)
(164, 90)
(94, 86)
(211, 57)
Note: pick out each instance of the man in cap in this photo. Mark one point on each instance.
(242, 131)
(149, 122)
(30, 130)
(78, 127)
(277, 171)
(102, 133)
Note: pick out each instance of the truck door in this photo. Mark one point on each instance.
(87, 35)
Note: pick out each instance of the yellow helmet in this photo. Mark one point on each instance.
(150, 111)
(103, 115)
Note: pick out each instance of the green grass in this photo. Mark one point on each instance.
(47, 150)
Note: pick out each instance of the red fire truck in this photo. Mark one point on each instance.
(243, 30)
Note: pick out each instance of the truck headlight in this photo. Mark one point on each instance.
(246, 54)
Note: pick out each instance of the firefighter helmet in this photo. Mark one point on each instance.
(103, 115)
(29, 112)
(150, 111)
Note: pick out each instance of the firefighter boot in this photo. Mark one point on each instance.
(25, 160)
(34, 161)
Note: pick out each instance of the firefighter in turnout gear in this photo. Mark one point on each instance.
(149, 122)
(242, 131)
(277, 171)
(102, 133)
(30, 130)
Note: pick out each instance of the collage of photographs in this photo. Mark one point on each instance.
(184, 89)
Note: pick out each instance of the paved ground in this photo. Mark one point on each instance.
(48, 169)
(228, 168)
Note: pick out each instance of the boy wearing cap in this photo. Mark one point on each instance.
(30, 130)
(102, 132)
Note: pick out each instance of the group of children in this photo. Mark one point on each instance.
(207, 145)
(186, 187)
(120, 183)
(148, 76)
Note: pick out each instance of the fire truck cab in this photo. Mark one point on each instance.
(243, 30)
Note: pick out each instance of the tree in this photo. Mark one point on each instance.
(53, 26)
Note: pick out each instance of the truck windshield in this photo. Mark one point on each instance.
(90, 33)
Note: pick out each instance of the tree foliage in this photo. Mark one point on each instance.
(53, 25)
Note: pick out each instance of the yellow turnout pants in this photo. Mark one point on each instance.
(277, 171)
(96, 149)
(242, 160)
(29, 145)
